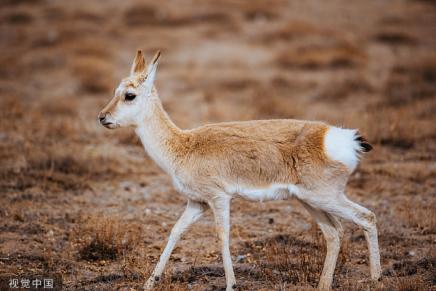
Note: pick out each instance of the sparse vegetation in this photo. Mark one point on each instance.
(87, 205)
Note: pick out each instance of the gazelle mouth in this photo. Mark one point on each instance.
(109, 125)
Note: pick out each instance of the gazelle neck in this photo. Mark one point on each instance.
(159, 136)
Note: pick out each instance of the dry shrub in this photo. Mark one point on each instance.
(104, 239)
(321, 57)
(95, 75)
(107, 238)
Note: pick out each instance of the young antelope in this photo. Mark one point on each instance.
(257, 160)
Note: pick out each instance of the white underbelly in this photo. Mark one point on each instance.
(272, 192)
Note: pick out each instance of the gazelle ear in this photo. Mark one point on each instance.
(138, 65)
(151, 70)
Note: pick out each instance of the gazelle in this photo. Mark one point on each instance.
(256, 160)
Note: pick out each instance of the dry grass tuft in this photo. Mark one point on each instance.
(107, 238)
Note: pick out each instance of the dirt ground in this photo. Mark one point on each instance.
(85, 204)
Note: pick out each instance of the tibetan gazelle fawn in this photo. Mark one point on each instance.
(257, 160)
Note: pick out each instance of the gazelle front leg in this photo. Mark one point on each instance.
(192, 213)
(221, 210)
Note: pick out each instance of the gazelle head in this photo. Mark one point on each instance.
(134, 96)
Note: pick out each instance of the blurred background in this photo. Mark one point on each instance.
(86, 204)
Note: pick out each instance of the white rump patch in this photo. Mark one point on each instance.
(340, 145)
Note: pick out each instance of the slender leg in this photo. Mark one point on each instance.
(221, 211)
(192, 213)
(367, 220)
(333, 232)
(349, 210)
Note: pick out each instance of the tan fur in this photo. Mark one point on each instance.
(256, 152)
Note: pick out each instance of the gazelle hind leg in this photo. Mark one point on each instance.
(333, 233)
(368, 222)
(342, 207)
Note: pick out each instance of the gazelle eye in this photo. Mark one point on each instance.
(129, 96)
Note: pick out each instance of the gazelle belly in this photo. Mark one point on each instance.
(271, 192)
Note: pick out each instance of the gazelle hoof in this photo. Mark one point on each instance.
(150, 283)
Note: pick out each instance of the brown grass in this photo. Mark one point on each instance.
(31, 158)
(339, 56)
(412, 81)
(292, 30)
(86, 204)
(94, 75)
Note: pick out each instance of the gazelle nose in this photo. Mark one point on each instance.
(102, 116)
